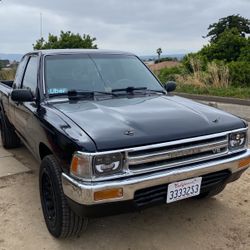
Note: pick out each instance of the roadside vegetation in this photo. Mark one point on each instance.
(220, 68)
(7, 70)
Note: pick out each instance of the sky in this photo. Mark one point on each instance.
(138, 26)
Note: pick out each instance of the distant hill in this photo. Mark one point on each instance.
(155, 57)
(17, 57)
(11, 57)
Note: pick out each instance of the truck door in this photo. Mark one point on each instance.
(16, 84)
(24, 112)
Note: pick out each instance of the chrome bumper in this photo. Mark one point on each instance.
(83, 192)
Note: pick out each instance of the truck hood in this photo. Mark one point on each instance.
(127, 122)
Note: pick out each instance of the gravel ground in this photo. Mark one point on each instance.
(216, 223)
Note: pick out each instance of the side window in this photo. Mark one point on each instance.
(19, 73)
(30, 76)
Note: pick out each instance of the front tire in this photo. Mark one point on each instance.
(60, 219)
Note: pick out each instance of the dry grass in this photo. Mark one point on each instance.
(169, 64)
(217, 75)
(7, 74)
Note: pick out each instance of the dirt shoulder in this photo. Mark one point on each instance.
(217, 223)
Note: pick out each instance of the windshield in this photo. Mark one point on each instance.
(96, 73)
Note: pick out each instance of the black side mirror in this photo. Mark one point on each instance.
(22, 95)
(170, 86)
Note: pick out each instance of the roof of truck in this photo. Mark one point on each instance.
(79, 51)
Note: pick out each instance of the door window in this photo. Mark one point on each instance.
(19, 73)
(30, 77)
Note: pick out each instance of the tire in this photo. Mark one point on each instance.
(9, 137)
(211, 193)
(60, 219)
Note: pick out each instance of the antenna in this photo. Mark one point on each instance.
(41, 24)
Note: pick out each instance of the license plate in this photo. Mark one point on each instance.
(184, 189)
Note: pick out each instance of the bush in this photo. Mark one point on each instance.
(166, 59)
(245, 53)
(194, 62)
(170, 74)
(239, 74)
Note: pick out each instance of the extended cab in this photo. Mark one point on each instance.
(111, 138)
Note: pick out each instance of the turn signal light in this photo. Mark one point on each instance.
(108, 194)
(244, 163)
(74, 164)
(80, 167)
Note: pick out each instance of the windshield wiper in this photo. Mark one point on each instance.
(73, 94)
(129, 90)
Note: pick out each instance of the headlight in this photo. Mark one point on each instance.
(237, 140)
(107, 164)
(86, 166)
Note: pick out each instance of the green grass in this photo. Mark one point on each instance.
(243, 93)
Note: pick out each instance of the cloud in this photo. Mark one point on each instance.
(139, 26)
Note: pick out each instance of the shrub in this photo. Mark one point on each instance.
(194, 62)
(170, 74)
(245, 53)
(216, 75)
(166, 59)
(239, 74)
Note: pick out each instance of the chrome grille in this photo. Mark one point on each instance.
(176, 154)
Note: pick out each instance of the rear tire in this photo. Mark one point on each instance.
(9, 137)
(60, 219)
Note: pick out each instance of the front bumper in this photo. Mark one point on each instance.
(82, 193)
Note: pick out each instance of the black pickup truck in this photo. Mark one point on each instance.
(111, 138)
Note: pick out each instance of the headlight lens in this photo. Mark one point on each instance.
(107, 164)
(237, 140)
(88, 166)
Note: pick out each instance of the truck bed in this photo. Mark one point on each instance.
(8, 83)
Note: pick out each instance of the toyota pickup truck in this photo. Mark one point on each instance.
(111, 138)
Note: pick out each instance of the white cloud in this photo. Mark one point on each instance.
(139, 26)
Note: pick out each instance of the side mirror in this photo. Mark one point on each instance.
(170, 86)
(22, 95)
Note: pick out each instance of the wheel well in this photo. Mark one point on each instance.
(44, 150)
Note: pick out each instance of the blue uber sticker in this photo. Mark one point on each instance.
(57, 91)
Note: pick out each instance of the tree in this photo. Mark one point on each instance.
(237, 22)
(245, 52)
(66, 40)
(159, 52)
(227, 47)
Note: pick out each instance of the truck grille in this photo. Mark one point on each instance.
(176, 154)
(158, 194)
